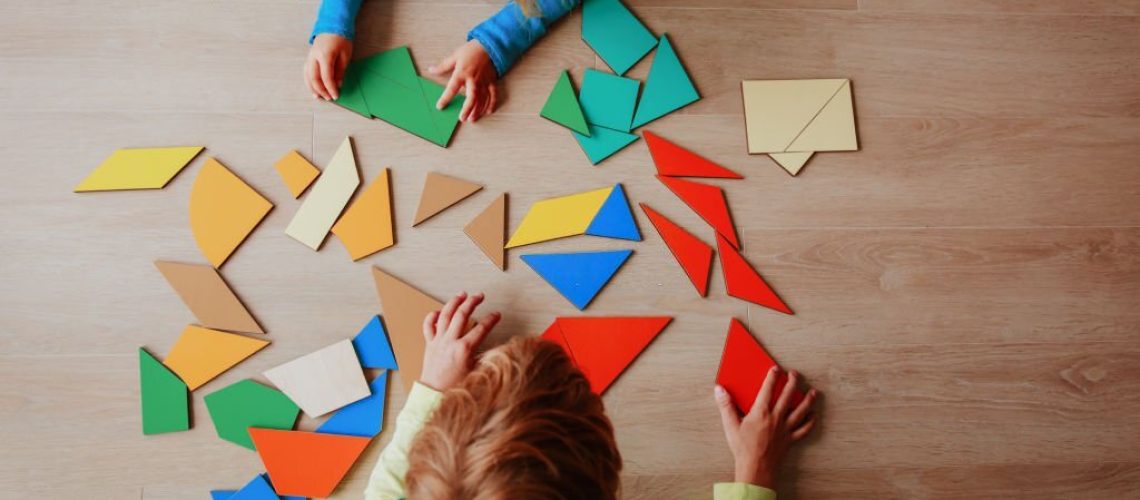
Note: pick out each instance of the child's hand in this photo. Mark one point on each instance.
(471, 69)
(324, 69)
(450, 351)
(759, 440)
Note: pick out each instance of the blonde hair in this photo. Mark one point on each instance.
(523, 424)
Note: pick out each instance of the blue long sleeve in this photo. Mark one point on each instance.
(337, 17)
(509, 33)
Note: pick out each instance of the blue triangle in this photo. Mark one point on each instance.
(363, 418)
(221, 494)
(614, 219)
(578, 276)
(256, 489)
(372, 347)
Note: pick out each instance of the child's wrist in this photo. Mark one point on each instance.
(751, 474)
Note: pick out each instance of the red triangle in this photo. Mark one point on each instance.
(707, 201)
(306, 464)
(674, 161)
(743, 366)
(694, 256)
(554, 334)
(603, 347)
(743, 282)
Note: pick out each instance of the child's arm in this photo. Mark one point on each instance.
(448, 356)
(760, 439)
(331, 46)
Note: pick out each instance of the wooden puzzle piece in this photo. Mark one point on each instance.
(364, 418)
(798, 116)
(441, 192)
(322, 381)
(404, 311)
(223, 211)
(559, 217)
(446, 119)
(200, 354)
(308, 464)
(672, 160)
(611, 30)
(667, 88)
(296, 172)
(615, 219)
(352, 91)
(603, 347)
(257, 488)
(208, 296)
(244, 404)
(603, 143)
(140, 168)
(743, 282)
(792, 162)
(326, 200)
(489, 231)
(608, 100)
(366, 225)
(693, 255)
(164, 397)
(708, 202)
(578, 276)
(562, 106)
(743, 367)
(372, 347)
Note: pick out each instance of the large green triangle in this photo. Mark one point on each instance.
(667, 88)
(351, 92)
(165, 398)
(562, 106)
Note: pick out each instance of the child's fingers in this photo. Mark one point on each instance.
(764, 397)
(797, 415)
(311, 77)
(493, 92)
(459, 321)
(484, 108)
(803, 430)
(448, 310)
(482, 327)
(469, 103)
(328, 80)
(785, 399)
(429, 325)
(341, 65)
(444, 66)
(449, 91)
(729, 418)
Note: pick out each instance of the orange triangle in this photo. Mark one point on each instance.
(297, 172)
(708, 202)
(306, 464)
(365, 227)
(604, 347)
(674, 161)
(694, 256)
(442, 191)
(743, 282)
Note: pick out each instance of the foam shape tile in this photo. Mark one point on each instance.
(562, 106)
(223, 211)
(603, 143)
(692, 254)
(667, 88)
(164, 397)
(323, 380)
(366, 227)
(672, 160)
(328, 197)
(208, 296)
(138, 168)
(743, 282)
(309, 464)
(604, 347)
(200, 354)
(615, 219)
(489, 231)
(296, 172)
(404, 310)
(618, 37)
(559, 217)
(708, 202)
(608, 100)
(441, 192)
(799, 116)
(244, 404)
(364, 418)
(743, 367)
(578, 276)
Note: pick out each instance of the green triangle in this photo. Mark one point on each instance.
(239, 406)
(165, 399)
(667, 88)
(562, 106)
(351, 93)
(603, 142)
(445, 119)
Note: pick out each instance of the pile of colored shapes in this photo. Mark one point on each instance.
(603, 347)
(601, 212)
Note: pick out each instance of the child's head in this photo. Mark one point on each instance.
(523, 424)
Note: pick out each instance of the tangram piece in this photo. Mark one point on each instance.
(798, 116)
(578, 276)
(440, 192)
(743, 282)
(743, 366)
(603, 347)
(562, 106)
(447, 119)
(142, 168)
(222, 494)
(165, 401)
(208, 296)
(792, 162)
(256, 489)
(322, 381)
(223, 211)
(615, 34)
(694, 256)
(372, 347)
(404, 311)
(200, 354)
(615, 219)
(674, 161)
(241, 405)
(667, 88)
(708, 202)
(603, 143)
(560, 217)
(296, 172)
(366, 226)
(323, 205)
(352, 92)
(489, 231)
(608, 100)
(309, 464)
(363, 418)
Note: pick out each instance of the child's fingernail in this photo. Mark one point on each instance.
(718, 390)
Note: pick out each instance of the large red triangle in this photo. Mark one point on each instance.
(674, 161)
(707, 201)
(603, 347)
(554, 334)
(743, 282)
(306, 464)
(743, 366)
(694, 256)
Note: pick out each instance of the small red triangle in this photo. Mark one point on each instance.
(604, 347)
(694, 256)
(306, 464)
(743, 282)
(674, 161)
(707, 201)
(743, 366)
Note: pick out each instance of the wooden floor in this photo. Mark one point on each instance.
(967, 286)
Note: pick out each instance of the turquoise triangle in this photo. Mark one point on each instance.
(578, 276)
(667, 88)
(603, 142)
(615, 219)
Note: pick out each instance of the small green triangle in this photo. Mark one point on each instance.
(603, 143)
(239, 406)
(165, 398)
(667, 88)
(562, 107)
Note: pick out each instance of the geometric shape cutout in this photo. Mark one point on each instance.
(208, 296)
(244, 404)
(559, 217)
(372, 347)
(366, 225)
(672, 160)
(667, 88)
(743, 282)
(603, 143)
(257, 488)
(694, 256)
(743, 367)
(164, 398)
(615, 219)
(608, 100)
(200, 354)
(404, 310)
(140, 168)
(708, 202)
(296, 172)
(785, 116)
(440, 192)
(322, 381)
(306, 464)
(489, 231)
(223, 211)
(602, 348)
(792, 162)
(363, 418)
(578, 276)
(615, 34)
(323, 205)
(562, 106)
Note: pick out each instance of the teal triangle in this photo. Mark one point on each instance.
(562, 106)
(578, 276)
(603, 142)
(667, 88)
(615, 219)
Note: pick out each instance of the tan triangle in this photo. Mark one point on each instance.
(833, 129)
(296, 172)
(366, 226)
(777, 111)
(489, 230)
(404, 310)
(441, 191)
(208, 296)
(792, 162)
(201, 354)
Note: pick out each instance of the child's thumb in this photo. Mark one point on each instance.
(728, 415)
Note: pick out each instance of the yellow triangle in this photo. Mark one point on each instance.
(143, 168)
(441, 191)
(777, 111)
(297, 172)
(559, 217)
(833, 129)
(792, 162)
(366, 226)
(201, 354)
(223, 211)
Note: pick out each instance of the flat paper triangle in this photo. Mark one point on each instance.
(322, 381)
(603, 143)
(404, 311)
(141, 168)
(672, 160)
(442, 191)
(208, 296)
(667, 88)
(372, 347)
(743, 367)
(562, 106)
(366, 225)
(489, 231)
(833, 129)
(326, 200)
(363, 418)
(604, 347)
(296, 172)
(200, 354)
(743, 282)
(792, 162)
(244, 404)
(578, 276)
(708, 202)
(559, 217)
(615, 219)
(164, 399)
(308, 464)
(694, 256)
(223, 211)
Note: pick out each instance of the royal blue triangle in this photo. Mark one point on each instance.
(615, 219)
(221, 494)
(578, 276)
(363, 418)
(256, 489)
(372, 347)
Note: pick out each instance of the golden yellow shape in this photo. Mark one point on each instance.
(223, 211)
(559, 217)
(201, 354)
(366, 226)
(142, 168)
(296, 172)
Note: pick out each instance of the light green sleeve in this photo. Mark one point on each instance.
(741, 491)
(387, 481)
